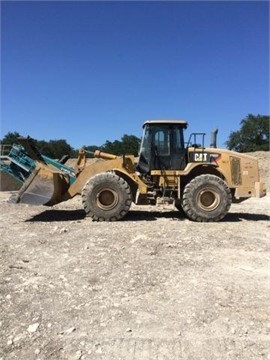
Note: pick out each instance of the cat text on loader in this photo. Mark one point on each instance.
(202, 182)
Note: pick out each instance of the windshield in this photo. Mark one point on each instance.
(161, 147)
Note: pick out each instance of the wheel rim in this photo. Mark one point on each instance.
(208, 199)
(107, 199)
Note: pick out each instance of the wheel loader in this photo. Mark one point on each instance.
(200, 181)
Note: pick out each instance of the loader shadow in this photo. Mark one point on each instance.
(138, 215)
(177, 216)
(235, 217)
(75, 215)
(142, 215)
(58, 215)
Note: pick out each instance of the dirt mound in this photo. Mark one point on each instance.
(263, 158)
(72, 162)
(8, 182)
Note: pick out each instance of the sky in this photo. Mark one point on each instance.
(90, 71)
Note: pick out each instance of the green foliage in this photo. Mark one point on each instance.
(90, 148)
(129, 144)
(53, 148)
(10, 138)
(58, 148)
(252, 136)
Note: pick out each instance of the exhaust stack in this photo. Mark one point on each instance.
(213, 143)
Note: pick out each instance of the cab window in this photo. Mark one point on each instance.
(162, 142)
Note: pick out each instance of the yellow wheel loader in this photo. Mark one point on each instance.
(202, 182)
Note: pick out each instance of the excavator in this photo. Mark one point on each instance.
(200, 181)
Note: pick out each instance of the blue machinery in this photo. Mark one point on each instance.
(19, 165)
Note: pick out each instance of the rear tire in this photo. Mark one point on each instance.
(106, 197)
(206, 198)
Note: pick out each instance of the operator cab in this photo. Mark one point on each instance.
(162, 146)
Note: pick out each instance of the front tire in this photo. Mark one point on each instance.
(179, 207)
(206, 198)
(106, 197)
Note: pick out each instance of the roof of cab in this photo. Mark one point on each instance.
(180, 122)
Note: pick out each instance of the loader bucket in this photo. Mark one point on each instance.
(43, 187)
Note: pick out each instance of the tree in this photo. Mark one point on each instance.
(112, 147)
(10, 138)
(53, 148)
(252, 136)
(57, 148)
(129, 144)
(91, 148)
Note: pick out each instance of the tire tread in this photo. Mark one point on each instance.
(189, 190)
(107, 177)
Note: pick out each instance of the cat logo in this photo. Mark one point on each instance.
(200, 156)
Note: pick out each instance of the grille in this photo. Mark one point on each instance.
(236, 170)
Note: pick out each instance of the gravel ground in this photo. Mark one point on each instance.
(153, 286)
